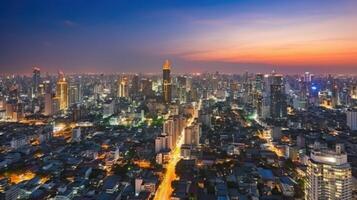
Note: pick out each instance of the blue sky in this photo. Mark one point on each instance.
(136, 36)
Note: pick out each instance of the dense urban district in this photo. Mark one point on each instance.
(178, 136)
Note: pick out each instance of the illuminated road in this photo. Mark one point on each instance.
(165, 190)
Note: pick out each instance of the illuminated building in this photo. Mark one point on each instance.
(166, 85)
(182, 89)
(258, 94)
(329, 175)
(278, 108)
(259, 82)
(36, 78)
(353, 91)
(123, 87)
(352, 119)
(62, 91)
(307, 77)
(73, 93)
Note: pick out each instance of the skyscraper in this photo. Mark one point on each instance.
(166, 85)
(193, 134)
(335, 96)
(352, 119)
(134, 89)
(48, 104)
(123, 90)
(36, 79)
(329, 175)
(258, 94)
(62, 91)
(278, 107)
(73, 93)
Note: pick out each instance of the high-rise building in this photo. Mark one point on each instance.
(55, 105)
(353, 91)
(192, 134)
(352, 119)
(134, 89)
(278, 107)
(329, 175)
(48, 104)
(36, 79)
(259, 83)
(169, 129)
(335, 101)
(166, 84)
(62, 91)
(258, 94)
(73, 93)
(123, 87)
(146, 87)
(182, 89)
(163, 142)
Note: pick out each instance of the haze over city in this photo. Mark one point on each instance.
(232, 36)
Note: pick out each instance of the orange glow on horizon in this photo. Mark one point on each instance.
(317, 41)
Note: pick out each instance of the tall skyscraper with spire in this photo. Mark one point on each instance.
(62, 91)
(166, 85)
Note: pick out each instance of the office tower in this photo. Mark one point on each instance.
(47, 86)
(123, 87)
(278, 107)
(304, 95)
(259, 82)
(258, 94)
(352, 119)
(36, 79)
(48, 104)
(335, 96)
(166, 84)
(329, 175)
(182, 89)
(134, 89)
(56, 105)
(73, 93)
(62, 91)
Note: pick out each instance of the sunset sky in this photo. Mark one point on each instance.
(209, 35)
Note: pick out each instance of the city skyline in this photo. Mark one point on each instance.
(178, 100)
(225, 36)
